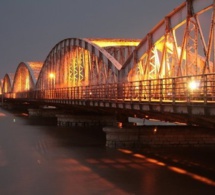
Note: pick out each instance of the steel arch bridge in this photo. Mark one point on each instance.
(171, 70)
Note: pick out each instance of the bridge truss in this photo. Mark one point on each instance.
(173, 64)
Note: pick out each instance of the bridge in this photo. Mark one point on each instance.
(168, 75)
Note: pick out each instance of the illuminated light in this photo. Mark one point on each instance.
(155, 130)
(154, 161)
(180, 123)
(203, 179)
(115, 42)
(160, 45)
(125, 151)
(150, 160)
(2, 114)
(90, 93)
(178, 170)
(119, 124)
(192, 175)
(193, 85)
(169, 46)
(161, 163)
(27, 84)
(24, 114)
(51, 75)
(139, 156)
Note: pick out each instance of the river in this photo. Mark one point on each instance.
(39, 158)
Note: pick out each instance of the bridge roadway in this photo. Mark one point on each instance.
(169, 99)
(194, 112)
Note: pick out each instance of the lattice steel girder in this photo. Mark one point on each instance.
(177, 17)
(58, 53)
(7, 83)
(24, 78)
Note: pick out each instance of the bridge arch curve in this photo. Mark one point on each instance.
(26, 76)
(182, 44)
(7, 83)
(77, 62)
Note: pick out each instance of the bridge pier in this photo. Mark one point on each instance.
(84, 120)
(158, 136)
(75, 119)
(43, 112)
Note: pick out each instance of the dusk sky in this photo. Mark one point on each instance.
(30, 29)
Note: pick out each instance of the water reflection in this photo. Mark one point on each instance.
(2, 114)
(56, 160)
(175, 169)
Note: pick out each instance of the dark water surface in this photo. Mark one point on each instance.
(39, 158)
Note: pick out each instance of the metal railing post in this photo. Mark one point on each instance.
(161, 90)
(205, 89)
(173, 90)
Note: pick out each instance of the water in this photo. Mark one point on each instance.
(39, 158)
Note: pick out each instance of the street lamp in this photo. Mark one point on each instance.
(193, 85)
(52, 77)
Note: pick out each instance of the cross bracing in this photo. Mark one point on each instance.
(180, 45)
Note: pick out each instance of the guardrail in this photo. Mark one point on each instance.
(178, 89)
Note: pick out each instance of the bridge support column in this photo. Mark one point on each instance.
(117, 137)
(84, 120)
(159, 136)
(47, 112)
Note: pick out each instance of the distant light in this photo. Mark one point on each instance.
(119, 124)
(155, 130)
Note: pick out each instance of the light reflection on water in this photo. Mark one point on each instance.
(76, 160)
(2, 114)
(172, 168)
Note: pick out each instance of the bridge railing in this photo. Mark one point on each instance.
(179, 89)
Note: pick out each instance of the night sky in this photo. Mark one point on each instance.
(30, 29)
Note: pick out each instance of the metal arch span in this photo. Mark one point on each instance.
(26, 76)
(77, 62)
(182, 44)
(7, 83)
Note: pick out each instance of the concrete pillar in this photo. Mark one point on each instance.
(41, 112)
(121, 137)
(84, 120)
(159, 136)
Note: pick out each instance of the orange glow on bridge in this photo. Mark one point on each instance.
(115, 42)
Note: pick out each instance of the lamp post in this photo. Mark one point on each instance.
(193, 86)
(52, 78)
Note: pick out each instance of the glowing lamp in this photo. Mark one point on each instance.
(51, 75)
(193, 85)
